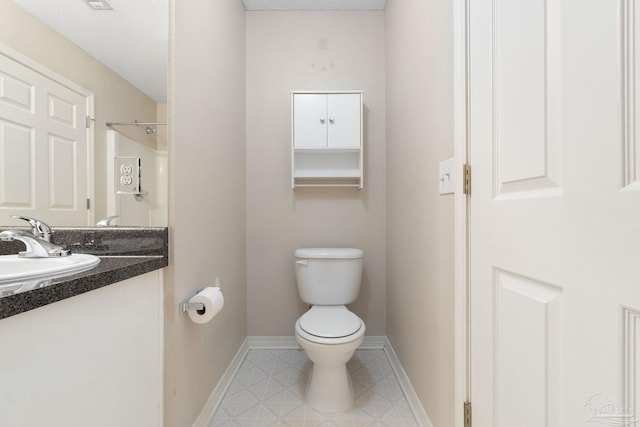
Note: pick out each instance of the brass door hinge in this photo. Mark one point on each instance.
(466, 179)
(467, 414)
(88, 204)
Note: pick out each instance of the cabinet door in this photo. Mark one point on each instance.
(344, 121)
(309, 120)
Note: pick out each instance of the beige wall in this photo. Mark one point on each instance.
(310, 51)
(207, 199)
(419, 221)
(115, 98)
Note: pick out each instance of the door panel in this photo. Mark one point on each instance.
(527, 328)
(63, 179)
(16, 92)
(62, 111)
(554, 255)
(520, 90)
(631, 364)
(17, 164)
(524, 77)
(631, 90)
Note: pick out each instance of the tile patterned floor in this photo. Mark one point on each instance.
(268, 391)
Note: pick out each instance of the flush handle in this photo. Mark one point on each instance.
(303, 262)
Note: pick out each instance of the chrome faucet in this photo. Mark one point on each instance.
(36, 247)
(37, 242)
(107, 221)
(38, 228)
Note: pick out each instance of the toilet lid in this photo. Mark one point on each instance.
(330, 322)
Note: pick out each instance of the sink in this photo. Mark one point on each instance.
(16, 269)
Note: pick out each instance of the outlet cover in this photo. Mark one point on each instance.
(127, 175)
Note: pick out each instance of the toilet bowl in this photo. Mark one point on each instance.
(329, 278)
(329, 336)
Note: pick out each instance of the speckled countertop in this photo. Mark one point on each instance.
(124, 252)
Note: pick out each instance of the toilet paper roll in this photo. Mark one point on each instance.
(213, 302)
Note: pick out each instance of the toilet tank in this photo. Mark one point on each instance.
(328, 276)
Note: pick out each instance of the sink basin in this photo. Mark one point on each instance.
(16, 269)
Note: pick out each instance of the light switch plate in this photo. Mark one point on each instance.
(127, 175)
(447, 178)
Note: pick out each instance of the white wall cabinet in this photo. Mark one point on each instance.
(326, 139)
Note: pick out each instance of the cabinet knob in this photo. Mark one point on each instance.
(331, 120)
(322, 120)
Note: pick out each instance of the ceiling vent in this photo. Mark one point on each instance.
(98, 4)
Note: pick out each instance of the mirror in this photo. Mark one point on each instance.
(117, 60)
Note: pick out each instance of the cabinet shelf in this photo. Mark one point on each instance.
(324, 173)
(327, 182)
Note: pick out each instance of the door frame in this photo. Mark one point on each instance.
(24, 60)
(462, 206)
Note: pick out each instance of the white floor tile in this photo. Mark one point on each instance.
(268, 391)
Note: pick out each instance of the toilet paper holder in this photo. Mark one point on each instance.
(185, 306)
(190, 306)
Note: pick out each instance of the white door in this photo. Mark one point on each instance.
(44, 153)
(555, 213)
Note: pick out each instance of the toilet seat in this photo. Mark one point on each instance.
(330, 325)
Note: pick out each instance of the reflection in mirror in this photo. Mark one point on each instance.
(59, 63)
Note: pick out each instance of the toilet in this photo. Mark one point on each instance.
(329, 278)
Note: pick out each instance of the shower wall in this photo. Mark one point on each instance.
(151, 209)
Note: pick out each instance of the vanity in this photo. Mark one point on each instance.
(90, 344)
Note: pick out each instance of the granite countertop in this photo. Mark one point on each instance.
(124, 252)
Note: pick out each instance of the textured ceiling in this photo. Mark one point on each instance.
(131, 39)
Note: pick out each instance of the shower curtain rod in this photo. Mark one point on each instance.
(135, 123)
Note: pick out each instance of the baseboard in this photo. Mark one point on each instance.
(206, 415)
(289, 342)
(275, 342)
(407, 388)
(373, 343)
